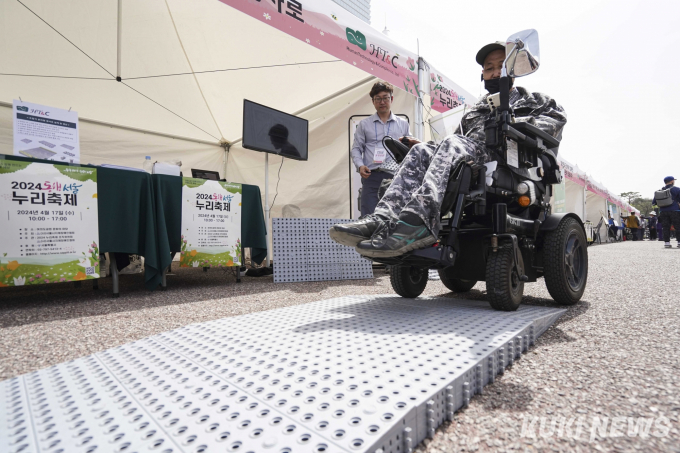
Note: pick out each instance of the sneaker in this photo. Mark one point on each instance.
(351, 234)
(396, 238)
(678, 244)
(667, 245)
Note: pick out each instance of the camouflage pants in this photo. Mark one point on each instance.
(420, 184)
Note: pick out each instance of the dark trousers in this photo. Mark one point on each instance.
(369, 190)
(652, 233)
(634, 232)
(668, 218)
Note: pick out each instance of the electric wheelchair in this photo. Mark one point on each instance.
(497, 224)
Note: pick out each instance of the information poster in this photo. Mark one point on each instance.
(42, 132)
(559, 197)
(49, 225)
(211, 223)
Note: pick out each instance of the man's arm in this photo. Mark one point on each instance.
(677, 194)
(359, 146)
(549, 116)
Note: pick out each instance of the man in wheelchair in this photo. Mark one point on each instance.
(408, 215)
(476, 207)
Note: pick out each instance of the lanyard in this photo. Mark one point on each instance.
(375, 126)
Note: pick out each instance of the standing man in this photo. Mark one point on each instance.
(632, 223)
(370, 158)
(652, 225)
(668, 200)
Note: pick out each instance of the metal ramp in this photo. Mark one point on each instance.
(351, 374)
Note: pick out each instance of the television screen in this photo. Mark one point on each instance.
(272, 131)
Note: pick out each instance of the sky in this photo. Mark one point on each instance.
(612, 65)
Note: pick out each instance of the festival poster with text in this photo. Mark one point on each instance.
(211, 223)
(49, 225)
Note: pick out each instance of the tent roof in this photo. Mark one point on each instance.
(233, 55)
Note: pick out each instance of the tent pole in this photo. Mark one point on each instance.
(120, 39)
(585, 194)
(266, 204)
(419, 100)
(226, 159)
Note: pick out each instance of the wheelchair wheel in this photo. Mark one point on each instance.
(408, 281)
(455, 284)
(565, 262)
(503, 286)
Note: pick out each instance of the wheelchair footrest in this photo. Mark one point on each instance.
(438, 257)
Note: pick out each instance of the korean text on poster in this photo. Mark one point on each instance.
(42, 132)
(49, 226)
(211, 223)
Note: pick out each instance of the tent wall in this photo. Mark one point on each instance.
(596, 206)
(100, 144)
(574, 199)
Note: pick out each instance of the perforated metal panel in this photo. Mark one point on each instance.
(351, 374)
(303, 251)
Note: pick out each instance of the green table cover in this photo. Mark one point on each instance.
(132, 220)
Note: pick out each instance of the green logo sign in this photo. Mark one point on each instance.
(21, 108)
(357, 38)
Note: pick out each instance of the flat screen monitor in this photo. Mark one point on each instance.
(205, 174)
(275, 132)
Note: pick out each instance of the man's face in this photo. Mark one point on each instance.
(383, 102)
(493, 64)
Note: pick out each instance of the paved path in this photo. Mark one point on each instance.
(615, 354)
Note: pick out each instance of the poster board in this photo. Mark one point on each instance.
(559, 204)
(42, 132)
(211, 223)
(49, 224)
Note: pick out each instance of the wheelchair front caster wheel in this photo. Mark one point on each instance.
(408, 281)
(456, 285)
(503, 286)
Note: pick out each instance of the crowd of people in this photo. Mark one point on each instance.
(663, 226)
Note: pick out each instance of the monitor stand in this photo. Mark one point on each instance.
(266, 205)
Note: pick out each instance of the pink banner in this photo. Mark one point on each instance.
(328, 27)
(597, 189)
(572, 174)
(446, 95)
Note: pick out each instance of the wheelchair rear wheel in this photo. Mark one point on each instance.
(408, 281)
(566, 262)
(455, 284)
(503, 286)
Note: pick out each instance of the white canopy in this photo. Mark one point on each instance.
(186, 66)
(232, 55)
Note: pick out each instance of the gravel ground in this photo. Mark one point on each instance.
(615, 354)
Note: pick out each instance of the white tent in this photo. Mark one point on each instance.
(185, 67)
